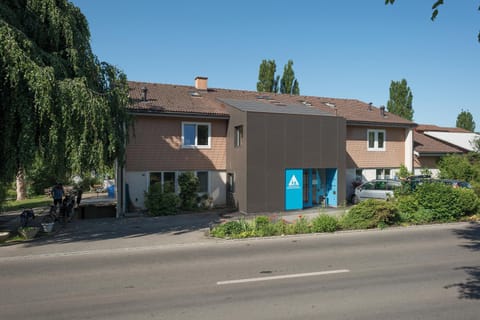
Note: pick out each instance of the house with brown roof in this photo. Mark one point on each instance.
(259, 151)
(432, 142)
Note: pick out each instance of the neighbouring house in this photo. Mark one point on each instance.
(432, 142)
(258, 151)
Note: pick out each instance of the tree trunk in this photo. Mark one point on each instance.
(21, 187)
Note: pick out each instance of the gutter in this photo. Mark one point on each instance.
(382, 124)
(179, 114)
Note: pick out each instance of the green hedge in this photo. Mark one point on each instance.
(429, 202)
(444, 202)
(324, 223)
(370, 214)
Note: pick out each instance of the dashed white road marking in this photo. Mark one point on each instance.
(286, 276)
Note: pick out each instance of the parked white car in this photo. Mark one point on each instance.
(375, 189)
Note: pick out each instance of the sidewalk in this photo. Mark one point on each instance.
(138, 232)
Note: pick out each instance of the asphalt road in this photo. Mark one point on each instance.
(411, 273)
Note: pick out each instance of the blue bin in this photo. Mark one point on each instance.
(111, 191)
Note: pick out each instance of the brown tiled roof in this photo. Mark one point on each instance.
(164, 98)
(431, 127)
(424, 144)
(167, 98)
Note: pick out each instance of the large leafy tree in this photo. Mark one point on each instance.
(267, 82)
(465, 121)
(288, 83)
(400, 102)
(435, 11)
(57, 101)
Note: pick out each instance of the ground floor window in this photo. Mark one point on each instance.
(383, 174)
(202, 181)
(166, 178)
(169, 180)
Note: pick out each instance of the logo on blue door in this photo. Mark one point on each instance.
(293, 184)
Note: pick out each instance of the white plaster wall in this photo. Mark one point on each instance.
(218, 189)
(435, 172)
(409, 150)
(137, 186)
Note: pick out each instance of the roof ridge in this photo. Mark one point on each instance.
(248, 91)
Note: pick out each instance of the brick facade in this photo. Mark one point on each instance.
(155, 144)
(360, 157)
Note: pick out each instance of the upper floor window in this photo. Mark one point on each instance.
(376, 140)
(238, 136)
(196, 135)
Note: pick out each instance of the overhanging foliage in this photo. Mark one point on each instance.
(57, 100)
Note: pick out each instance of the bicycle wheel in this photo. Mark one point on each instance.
(49, 218)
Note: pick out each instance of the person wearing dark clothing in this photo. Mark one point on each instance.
(57, 194)
(79, 196)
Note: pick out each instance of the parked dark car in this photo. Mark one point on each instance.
(456, 183)
(414, 181)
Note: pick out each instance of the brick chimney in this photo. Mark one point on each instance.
(382, 111)
(201, 83)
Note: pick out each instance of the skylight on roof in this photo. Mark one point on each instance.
(306, 103)
(195, 94)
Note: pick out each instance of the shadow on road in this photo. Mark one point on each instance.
(470, 288)
(112, 228)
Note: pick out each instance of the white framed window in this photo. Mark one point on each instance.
(383, 174)
(376, 140)
(168, 180)
(196, 135)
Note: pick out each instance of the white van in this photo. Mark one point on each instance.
(375, 189)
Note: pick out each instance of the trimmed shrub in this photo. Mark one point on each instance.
(263, 227)
(406, 206)
(188, 183)
(468, 201)
(476, 187)
(233, 229)
(324, 223)
(301, 225)
(161, 203)
(421, 216)
(445, 202)
(370, 214)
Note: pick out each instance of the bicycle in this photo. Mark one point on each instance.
(51, 216)
(63, 213)
(67, 208)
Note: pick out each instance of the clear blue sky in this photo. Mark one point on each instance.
(340, 49)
